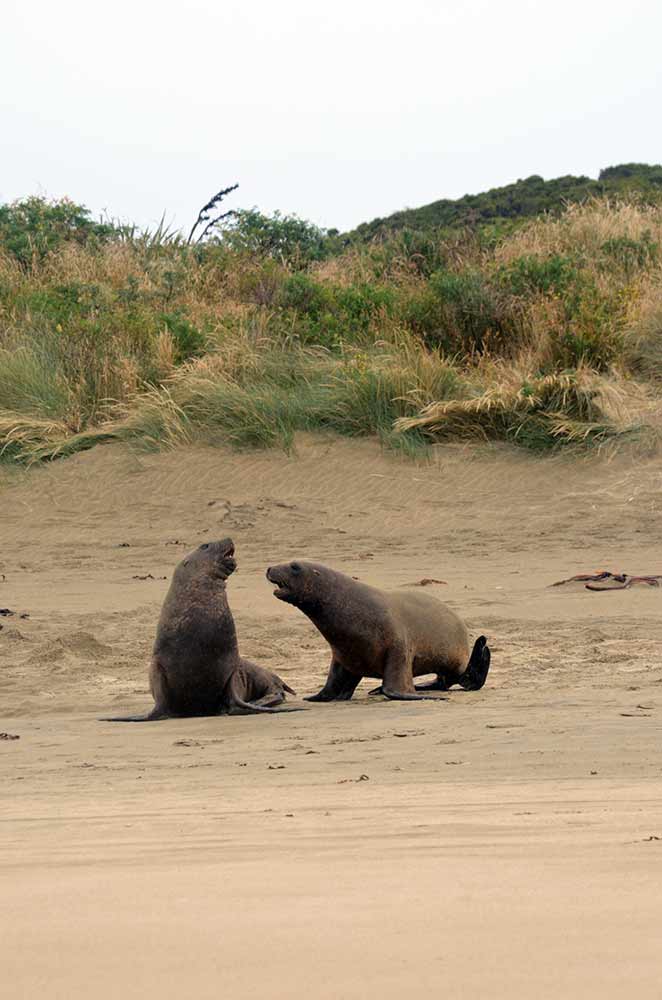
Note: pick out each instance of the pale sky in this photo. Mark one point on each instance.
(337, 111)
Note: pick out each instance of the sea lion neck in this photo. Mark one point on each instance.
(326, 611)
(205, 582)
(311, 607)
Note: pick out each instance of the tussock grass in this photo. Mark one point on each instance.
(30, 383)
(262, 398)
(568, 408)
(22, 436)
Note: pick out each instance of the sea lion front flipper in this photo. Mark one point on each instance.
(340, 685)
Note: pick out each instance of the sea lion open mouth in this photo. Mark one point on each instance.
(282, 590)
(227, 558)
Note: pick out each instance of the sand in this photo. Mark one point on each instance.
(501, 843)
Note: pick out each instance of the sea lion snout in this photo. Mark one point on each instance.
(274, 577)
(227, 555)
(280, 577)
(294, 581)
(217, 557)
(226, 547)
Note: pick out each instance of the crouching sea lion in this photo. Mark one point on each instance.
(375, 633)
(196, 668)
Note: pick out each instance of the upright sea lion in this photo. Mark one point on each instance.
(374, 633)
(196, 668)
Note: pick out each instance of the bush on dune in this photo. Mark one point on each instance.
(35, 227)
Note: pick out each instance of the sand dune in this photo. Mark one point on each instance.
(500, 843)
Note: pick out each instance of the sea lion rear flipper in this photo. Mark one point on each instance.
(284, 686)
(153, 716)
(438, 685)
(441, 684)
(240, 707)
(475, 675)
(406, 696)
(270, 700)
(398, 682)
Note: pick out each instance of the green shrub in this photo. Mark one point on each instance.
(306, 296)
(460, 313)
(284, 238)
(360, 305)
(34, 227)
(189, 342)
(548, 275)
(329, 315)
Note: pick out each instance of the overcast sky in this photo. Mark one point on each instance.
(337, 111)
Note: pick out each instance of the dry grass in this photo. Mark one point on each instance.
(567, 408)
(583, 228)
(643, 345)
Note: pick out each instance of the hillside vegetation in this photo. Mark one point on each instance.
(543, 337)
(501, 208)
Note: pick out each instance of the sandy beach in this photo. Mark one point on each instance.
(501, 843)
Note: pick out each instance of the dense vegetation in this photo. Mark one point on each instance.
(546, 336)
(524, 199)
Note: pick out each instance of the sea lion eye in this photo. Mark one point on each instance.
(295, 567)
(205, 546)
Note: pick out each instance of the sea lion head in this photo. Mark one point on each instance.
(298, 583)
(212, 559)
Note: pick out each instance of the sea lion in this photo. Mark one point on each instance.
(196, 668)
(375, 633)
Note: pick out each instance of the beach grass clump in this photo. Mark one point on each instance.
(538, 413)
